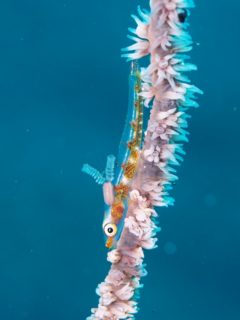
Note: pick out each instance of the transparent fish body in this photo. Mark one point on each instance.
(128, 157)
(118, 175)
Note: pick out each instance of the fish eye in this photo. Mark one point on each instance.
(182, 15)
(110, 229)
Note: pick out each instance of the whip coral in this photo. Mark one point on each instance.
(162, 35)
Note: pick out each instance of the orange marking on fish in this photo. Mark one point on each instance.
(134, 155)
(121, 190)
(117, 210)
(134, 125)
(132, 144)
(129, 170)
(109, 242)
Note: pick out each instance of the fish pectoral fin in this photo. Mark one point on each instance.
(94, 173)
(110, 168)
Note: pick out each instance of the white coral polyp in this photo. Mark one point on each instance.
(170, 5)
(114, 256)
(153, 154)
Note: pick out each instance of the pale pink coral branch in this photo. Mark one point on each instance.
(160, 35)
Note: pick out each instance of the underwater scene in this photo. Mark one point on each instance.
(66, 90)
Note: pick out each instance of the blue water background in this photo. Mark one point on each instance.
(63, 98)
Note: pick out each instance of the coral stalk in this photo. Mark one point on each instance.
(160, 34)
